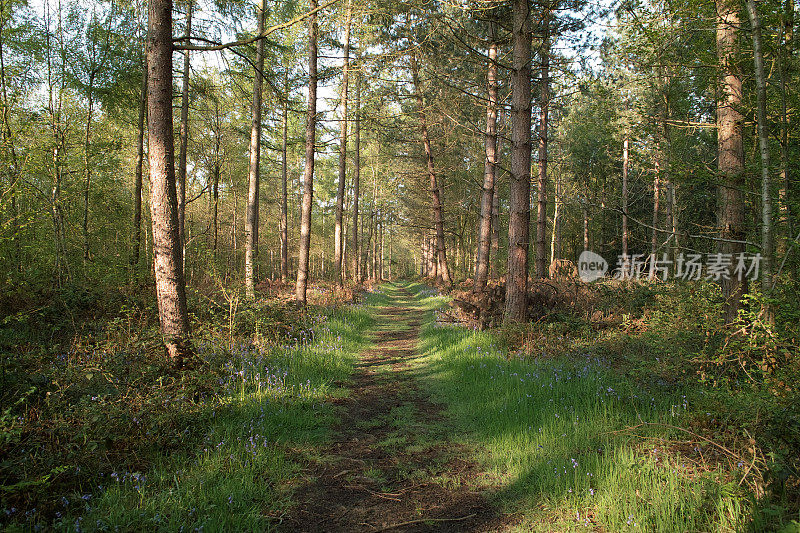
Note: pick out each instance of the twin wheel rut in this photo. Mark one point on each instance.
(390, 466)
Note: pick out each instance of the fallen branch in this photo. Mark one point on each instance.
(421, 520)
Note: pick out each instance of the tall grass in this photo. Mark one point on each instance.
(553, 434)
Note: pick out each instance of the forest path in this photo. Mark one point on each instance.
(390, 466)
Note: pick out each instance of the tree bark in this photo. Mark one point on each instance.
(308, 174)
(137, 181)
(167, 250)
(87, 139)
(284, 187)
(184, 132)
(730, 152)
(489, 168)
(541, 213)
(354, 250)
(784, 59)
(338, 237)
(625, 235)
(763, 144)
(519, 198)
(436, 201)
(656, 210)
(495, 245)
(251, 220)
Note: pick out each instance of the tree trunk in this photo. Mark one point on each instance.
(489, 168)
(730, 152)
(87, 139)
(763, 144)
(625, 235)
(519, 198)
(354, 250)
(436, 201)
(184, 133)
(284, 188)
(541, 213)
(308, 174)
(495, 246)
(338, 237)
(137, 185)
(784, 58)
(656, 208)
(554, 238)
(251, 220)
(167, 251)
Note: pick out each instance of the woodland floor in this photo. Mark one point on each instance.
(390, 466)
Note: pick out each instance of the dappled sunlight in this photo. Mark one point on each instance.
(274, 405)
(553, 433)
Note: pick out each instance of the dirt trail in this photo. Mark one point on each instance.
(390, 466)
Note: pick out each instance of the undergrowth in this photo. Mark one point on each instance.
(614, 428)
(97, 433)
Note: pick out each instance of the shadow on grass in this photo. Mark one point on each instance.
(553, 433)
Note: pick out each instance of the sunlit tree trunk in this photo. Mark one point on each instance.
(308, 174)
(251, 220)
(284, 187)
(167, 250)
(184, 131)
(354, 249)
(436, 202)
(541, 212)
(338, 237)
(763, 144)
(489, 168)
(656, 211)
(519, 199)
(730, 152)
(784, 63)
(625, 236)
(138, 176)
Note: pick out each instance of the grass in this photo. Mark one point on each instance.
(554, 433)
(233, 470)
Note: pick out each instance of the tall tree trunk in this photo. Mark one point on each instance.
(763, 144)
(436, 201)
(308, 174)
(554, 238)
(184, 132)
(519, 197)
(87, 165)
(730, 152)
(495, 245)
(625, 235)
(541, 212)
(167, 250)
(656, 210)
(338, 237)
(354, 250)
(585, 212)
(784, 58)
(284, 187)
(489, 168)
(137, 182)
(215, 172)
(251, 220)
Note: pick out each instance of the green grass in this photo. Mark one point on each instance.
(553, 434)
(237, 478)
